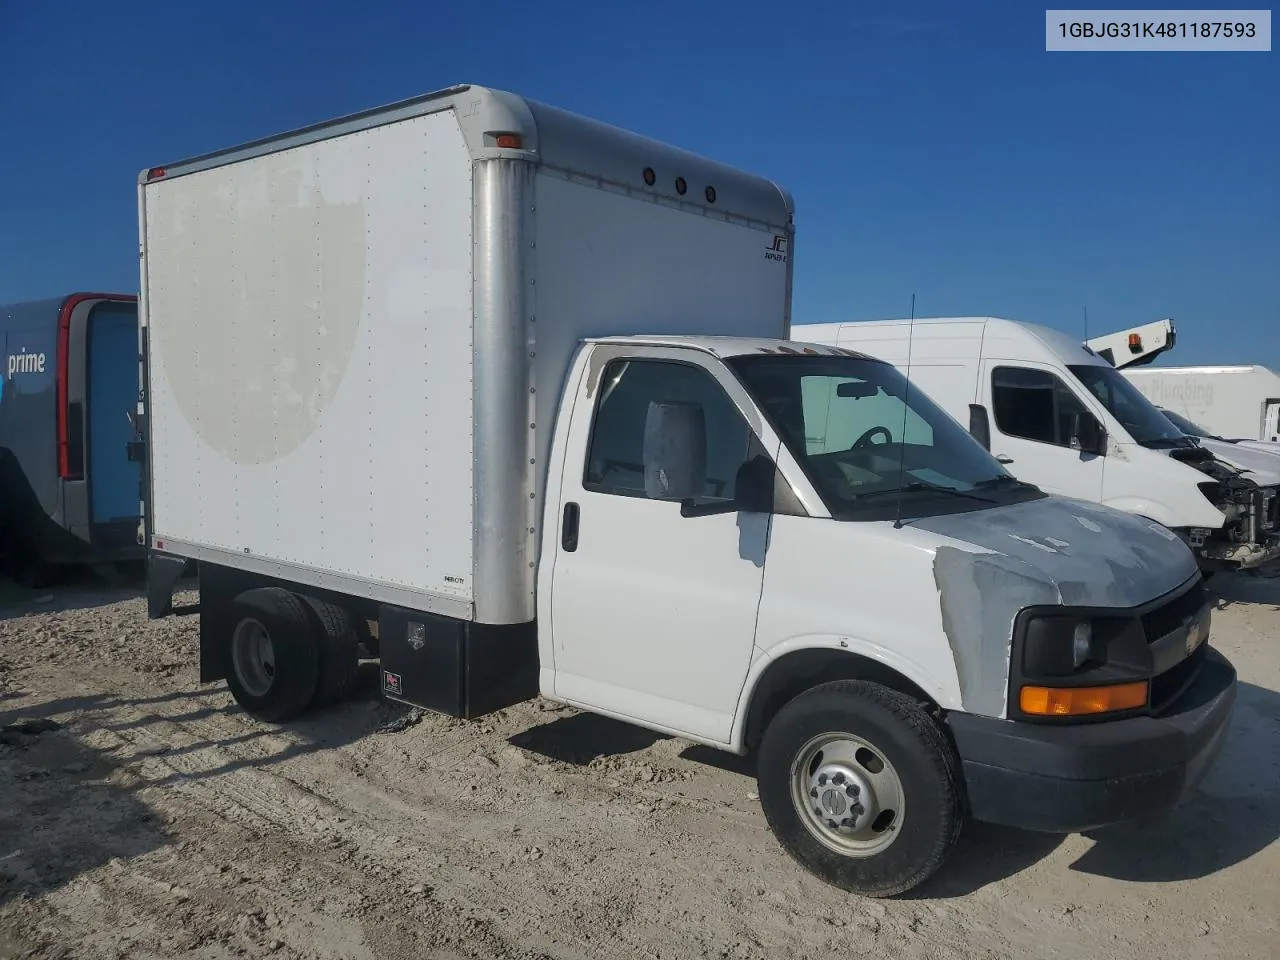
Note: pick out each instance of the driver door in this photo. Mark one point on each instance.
(653, 614)
(1033, 412)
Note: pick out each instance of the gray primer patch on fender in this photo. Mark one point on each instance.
(1050, 551)
(980, 594)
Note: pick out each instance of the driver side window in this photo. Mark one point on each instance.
(615, 459)
(1033, 405)
(834, 423)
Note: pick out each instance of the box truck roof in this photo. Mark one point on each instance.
(498, 123)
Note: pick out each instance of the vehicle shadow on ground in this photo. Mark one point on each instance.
(362, 714)
(1228, 590)
(67, 809)
(985, 854)
(77, 588)
(580, 738)
(1232, 816)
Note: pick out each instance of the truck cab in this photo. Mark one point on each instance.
(783, 548)
(1068, 421)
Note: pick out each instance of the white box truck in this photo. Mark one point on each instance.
(1239, 402)
(1068, 421)
(515, 386)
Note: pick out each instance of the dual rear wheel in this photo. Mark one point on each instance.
(287, 653)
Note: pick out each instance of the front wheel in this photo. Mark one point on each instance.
(862, 787)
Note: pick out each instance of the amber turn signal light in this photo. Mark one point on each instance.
(1082, 701)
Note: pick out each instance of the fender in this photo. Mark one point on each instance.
(881, 663)
(1163, 513)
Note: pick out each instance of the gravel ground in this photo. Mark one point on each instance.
(145, 816)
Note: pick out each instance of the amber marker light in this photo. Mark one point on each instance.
(1082, 701)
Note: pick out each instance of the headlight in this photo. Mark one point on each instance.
(1069, 664)
(1081, 643)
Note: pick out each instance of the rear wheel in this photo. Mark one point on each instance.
(273, 659)
(861, 787)
(339, 653)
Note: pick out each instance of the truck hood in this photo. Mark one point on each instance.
(1269, 446)
(1053, 551)
(1262, 466)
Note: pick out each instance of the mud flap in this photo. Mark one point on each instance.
(164, 570)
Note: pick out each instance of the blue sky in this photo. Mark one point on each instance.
(933, 148)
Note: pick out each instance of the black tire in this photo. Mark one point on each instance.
(30, 571)
(339, 652)
(285, 689)
(916, 751)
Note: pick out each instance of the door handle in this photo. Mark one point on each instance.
(1001, 458)
(569, 528)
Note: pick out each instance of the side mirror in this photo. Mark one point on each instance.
(980, 425)
(752, 492)
(1087, 434)
(675, 450)
(753, 486)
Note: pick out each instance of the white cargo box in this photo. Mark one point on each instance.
(357, 333)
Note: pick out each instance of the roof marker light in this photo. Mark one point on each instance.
(510, 141)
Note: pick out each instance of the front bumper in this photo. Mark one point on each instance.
(1071, 778)
(1241, 556)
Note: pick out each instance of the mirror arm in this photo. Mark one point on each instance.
(691, 508)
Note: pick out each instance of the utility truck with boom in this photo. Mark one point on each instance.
(516, 387)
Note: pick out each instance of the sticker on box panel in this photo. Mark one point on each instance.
(391, 683)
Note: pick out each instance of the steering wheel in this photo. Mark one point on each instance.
(864, 441)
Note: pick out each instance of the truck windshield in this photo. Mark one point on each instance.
(1138, 415)
(1185, 425)
(860, 434)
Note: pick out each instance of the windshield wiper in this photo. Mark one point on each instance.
(1004, 478)
(1168, 443)
(919, 486)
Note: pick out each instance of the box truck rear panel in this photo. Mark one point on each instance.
(1229, 401)
(359, 333)
(309, 317)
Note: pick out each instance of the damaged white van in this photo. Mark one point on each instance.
(1067, 421)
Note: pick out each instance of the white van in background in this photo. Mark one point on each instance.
(1067, 421)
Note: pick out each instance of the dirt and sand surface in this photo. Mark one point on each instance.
(144, 816)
